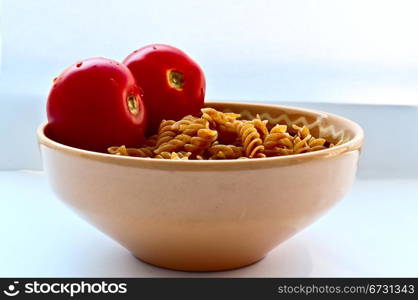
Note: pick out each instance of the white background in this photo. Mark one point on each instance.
(348, 50)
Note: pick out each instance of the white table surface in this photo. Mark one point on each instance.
(372, 232)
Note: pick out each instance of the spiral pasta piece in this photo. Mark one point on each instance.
(305, 142)
(204, 138)
(225, 123)
(174, 155)
(301, 145)
(250, 138)
(217, 117)
(278, 137)
(301, 132)
(316, 144)
(137, 152)
(220, 151)
(190, 125)
(173, 145)
(261, 126)
(118, 150)
(278, 141)
(165, 132)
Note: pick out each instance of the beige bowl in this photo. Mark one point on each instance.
(207, 215)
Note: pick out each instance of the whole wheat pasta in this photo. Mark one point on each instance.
(174, 144)
(174, 155)
(301, 132)
(227, 133)
(220, 151)
(199, 143)
(217, 135)
(278, 137)
(301, 145)
(165, 132)
(190, 125)
(138, 152)
(261, 126)
(305, 142)
(301, 139)
(250, 138)
(316, 144)
(225, 123)
(278, 142)
(217, 117)
(118, 150)
(277, 151)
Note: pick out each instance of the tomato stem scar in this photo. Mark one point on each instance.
(132, 105)
(175, 79)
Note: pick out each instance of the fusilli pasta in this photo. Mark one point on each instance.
(219, 151)
(199, 143)
(174, 155)
(165, 132)
(250, 138)
(138, 152)
(175, 144)
(217, 135)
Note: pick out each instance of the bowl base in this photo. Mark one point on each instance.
(199, 267)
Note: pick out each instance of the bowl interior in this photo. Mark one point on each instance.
(333, 128)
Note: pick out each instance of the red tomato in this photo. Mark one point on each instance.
(95, 104)
(173, 84)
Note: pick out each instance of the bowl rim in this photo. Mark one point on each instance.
(227, 164)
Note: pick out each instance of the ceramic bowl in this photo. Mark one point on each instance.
(207, 215)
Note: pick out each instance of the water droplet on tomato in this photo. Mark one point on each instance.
(79, 64)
